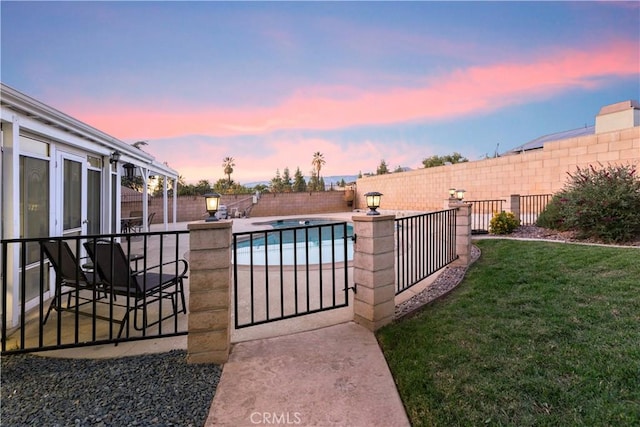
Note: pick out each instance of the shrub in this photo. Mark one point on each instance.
(598, 203)
(503, 223)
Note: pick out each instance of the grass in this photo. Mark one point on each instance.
(536, 334)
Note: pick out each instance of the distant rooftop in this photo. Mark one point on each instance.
(539, 142)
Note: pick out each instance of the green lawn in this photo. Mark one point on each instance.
(537, 334)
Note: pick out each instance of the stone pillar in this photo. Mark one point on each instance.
(209, 325)
(463, 233)
(374, 270)
(514, 205)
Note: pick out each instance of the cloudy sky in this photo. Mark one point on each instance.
(270, 83)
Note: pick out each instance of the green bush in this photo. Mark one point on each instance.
(599, 203)
(503, 223)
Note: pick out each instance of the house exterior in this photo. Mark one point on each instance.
(61, 177)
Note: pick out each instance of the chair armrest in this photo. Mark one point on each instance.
(185, 267)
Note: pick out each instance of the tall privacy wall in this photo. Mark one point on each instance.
(540, 171)
(191, 208)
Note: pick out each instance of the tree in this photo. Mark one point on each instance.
(382, 169)
(299, 184)
(276, 183)
(202, 187)
(286, 180)
(439, 161)
(135, 183)
(317, 162)
(228, 163)
(398, 169)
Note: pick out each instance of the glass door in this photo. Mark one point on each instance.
(74, 195)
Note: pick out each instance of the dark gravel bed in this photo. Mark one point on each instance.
(445, 283)
(149, 390)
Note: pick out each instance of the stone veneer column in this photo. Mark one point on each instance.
(209, 292)
(514, 205)
(374, 270)
(463, 233)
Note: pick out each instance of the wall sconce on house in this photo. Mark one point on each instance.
(115, 157)
(212, 202)
(129, 170)
(373, 202)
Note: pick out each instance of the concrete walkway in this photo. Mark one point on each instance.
(334, 376)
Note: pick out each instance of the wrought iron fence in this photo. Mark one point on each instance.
(532, 206)
(291, 271)
(73, 291)
(481, 213)
(424, 244)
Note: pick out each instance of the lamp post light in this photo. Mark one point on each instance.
(212, 202)
(373, 202)
(452, 193)
(460, 194)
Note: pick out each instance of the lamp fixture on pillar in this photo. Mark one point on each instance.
(114, 157)
(460, 194)
(452, 193)
(373, 202)
(212, 201)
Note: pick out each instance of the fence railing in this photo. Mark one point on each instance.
(289, 272)
(73, 291)
(424, 244)
(531, 207)
(481, 213)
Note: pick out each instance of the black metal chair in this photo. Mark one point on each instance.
(71, 276)
(145, 287)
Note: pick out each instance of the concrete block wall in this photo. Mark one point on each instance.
(541, 171)
(191, 208)
(282, 204)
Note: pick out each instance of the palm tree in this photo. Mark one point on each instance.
(318, 161)
(228, 164)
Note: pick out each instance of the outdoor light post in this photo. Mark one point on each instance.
(373, 202)
(460, 194)
(452, 193)
(212, 202)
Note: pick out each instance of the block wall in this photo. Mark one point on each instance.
(280, 204)
(191, 208)
(541, 171)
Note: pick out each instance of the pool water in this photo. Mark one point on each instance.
(295, 241)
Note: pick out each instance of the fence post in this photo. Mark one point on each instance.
(514, 205)
(463, 233)
(374, 270)
(209, 323)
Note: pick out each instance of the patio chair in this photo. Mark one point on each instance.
(134, 224)
(153, 285)
(71, 276)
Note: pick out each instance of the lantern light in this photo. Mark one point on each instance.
(212, 202)
(373, 202)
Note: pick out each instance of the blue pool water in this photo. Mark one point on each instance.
(301, 239)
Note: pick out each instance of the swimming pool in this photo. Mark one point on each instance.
(295, 241)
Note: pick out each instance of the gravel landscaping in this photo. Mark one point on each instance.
(155, 389)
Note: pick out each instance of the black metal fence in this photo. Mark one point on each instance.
(291, 271)
(424, 244)
(532, 206)
(73, 291)
(481, 213)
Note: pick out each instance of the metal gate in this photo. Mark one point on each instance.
(295, 269)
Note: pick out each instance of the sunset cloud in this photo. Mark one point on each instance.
(473, 90)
